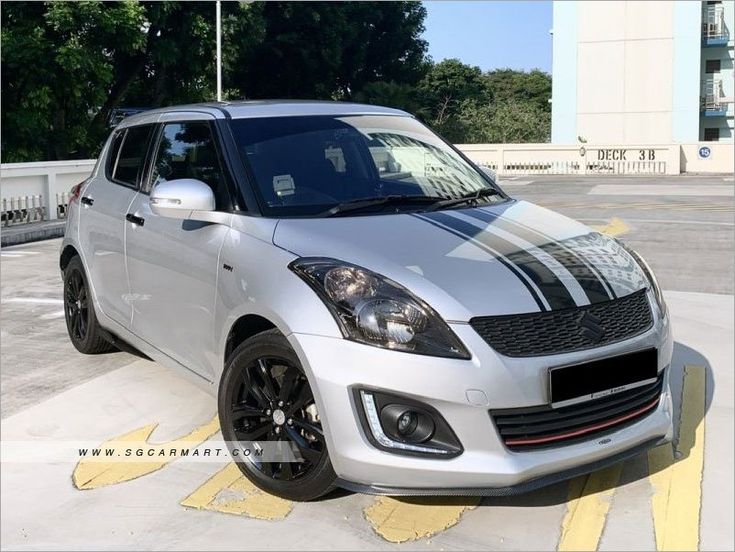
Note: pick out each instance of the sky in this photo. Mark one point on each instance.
(490, 34)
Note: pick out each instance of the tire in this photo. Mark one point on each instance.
(81, 322)
(259, 372)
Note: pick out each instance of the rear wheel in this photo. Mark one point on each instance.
(81, 323)
(266, 403)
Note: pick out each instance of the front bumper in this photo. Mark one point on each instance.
(463, 391)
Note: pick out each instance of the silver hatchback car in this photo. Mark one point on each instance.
(365, 301)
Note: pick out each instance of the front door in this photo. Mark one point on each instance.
(103, 205)
(173, 264)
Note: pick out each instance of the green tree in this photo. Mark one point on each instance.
(504, 122)
(175, 63)
(56, 68)
(446, 86)
(390, 94)
(466, 105)
(509, 85)
(331, 50)
(66, 66)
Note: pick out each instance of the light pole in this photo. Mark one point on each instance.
(219, 51)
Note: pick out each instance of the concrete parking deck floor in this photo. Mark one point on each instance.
(50, 393)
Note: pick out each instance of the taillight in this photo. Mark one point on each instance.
(76, 191)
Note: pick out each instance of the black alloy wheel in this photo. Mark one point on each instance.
(266, 403)
(76, 306)
(274, 403)
(84, 330)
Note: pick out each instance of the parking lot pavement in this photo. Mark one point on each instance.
(38, 360)
(682, 225)
(666, 499)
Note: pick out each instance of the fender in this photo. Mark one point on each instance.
(272, 292)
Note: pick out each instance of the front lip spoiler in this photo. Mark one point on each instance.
(514, 490)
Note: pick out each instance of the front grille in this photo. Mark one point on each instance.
(554, 332)
(542, 426)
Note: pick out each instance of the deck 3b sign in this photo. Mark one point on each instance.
(626, 155)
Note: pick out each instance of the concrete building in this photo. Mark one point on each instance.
(642, 72)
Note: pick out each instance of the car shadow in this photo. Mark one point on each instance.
(634, 469)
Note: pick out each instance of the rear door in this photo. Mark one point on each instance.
(104, 205)
(173, 264)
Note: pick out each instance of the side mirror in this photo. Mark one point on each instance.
(182, 198)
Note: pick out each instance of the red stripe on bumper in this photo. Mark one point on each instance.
(584, 430)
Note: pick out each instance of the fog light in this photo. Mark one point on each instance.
(376, 429)
(407, 422)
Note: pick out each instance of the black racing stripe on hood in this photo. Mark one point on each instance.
(552, 288)
(494, 253)
(590, 279)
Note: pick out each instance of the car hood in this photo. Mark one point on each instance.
(509, 258)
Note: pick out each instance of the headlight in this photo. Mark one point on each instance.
(649, 275)
(375, 310)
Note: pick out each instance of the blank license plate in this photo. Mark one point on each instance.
(592, 380)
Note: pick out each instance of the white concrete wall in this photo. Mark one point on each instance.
(46, 179)
(625, 72)
(564, 72)
(631, 72)
(582, 159)
(558, 159)
(720, 160)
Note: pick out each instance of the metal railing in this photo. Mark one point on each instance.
(581, 159)
(50, 180)
(62, 204)
(712, 95)
(626, 167)
(713, 23)
(22, 210)
(27, 209)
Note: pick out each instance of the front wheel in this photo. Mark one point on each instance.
(266, 403)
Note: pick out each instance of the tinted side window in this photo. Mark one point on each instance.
(132, 155)
(113, 152)
(187, 150)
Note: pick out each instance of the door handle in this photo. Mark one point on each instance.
(87, 200)
(130, 217)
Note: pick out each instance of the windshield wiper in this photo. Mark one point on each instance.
(382, 201)
(472, 197)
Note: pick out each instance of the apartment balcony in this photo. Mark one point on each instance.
(714, 30)
(712, 100)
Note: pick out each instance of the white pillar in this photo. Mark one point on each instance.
(49, 196)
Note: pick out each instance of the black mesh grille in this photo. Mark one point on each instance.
(554, 332)
(542, 426)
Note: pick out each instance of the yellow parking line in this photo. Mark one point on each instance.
(616, 227)
(230, 492)
(410, 519)
(209, 490)
(93, 472)
(677, 484)
(589, 502)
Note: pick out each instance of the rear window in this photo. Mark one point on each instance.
(113, 152)
(131, 158)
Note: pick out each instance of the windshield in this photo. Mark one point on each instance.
(304, 166)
